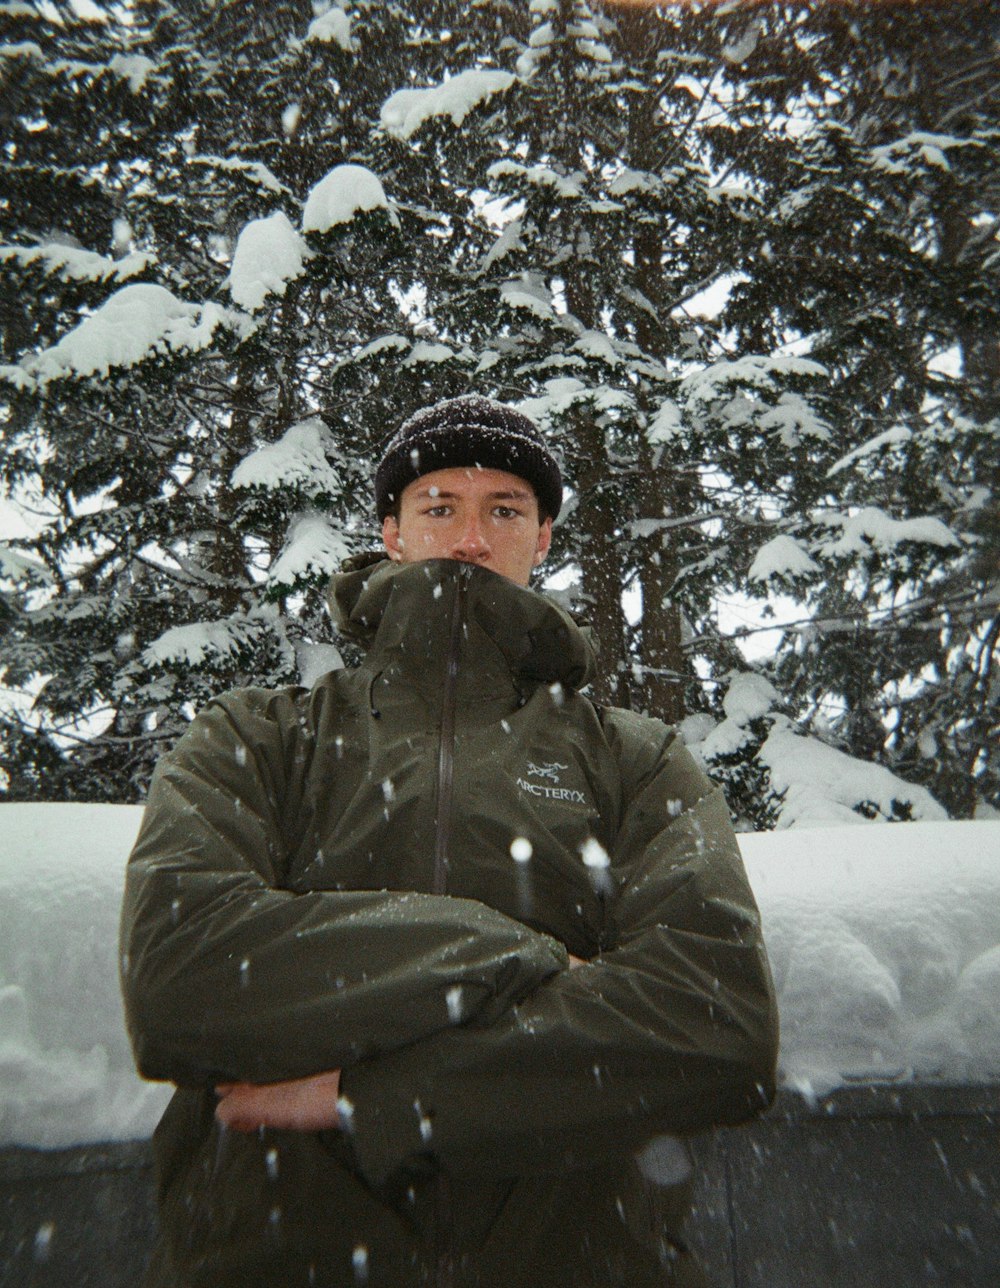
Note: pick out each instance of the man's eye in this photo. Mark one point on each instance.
(438, 511)
(506, 512)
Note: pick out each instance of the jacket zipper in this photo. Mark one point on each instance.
(444, 1267)
(446, 747)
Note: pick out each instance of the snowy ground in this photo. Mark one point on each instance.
(884, 939)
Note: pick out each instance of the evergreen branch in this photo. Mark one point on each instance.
(868, 617)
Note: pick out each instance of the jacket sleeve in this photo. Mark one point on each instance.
(226, 976)
(673, 1029)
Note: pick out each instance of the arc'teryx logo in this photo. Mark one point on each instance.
(551, 770)
(549, 773)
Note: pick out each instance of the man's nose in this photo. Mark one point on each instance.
(471, 543)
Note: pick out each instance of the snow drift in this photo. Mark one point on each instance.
(884, 941)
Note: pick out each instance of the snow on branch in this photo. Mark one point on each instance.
(428, 351)
(872, 528)
(509, 240)
(542, 176)
(74, 264)
(782, 556)
(665, 425)
(200, 642)
(595, 344)
(298, 461)
(898, 434)
(565, 392)
(344, 192)
(628, 181)
(749, 697)
(932, 149)
(529, 293)
(20, 568)
(404, 112)
(756, 371)
(792, 419)
(268, 255)
(821, 785)
(134, 323)
(255, 171)
(809, 782)
(392, 343)
(135, 68)
(314, 549)
(332, 27)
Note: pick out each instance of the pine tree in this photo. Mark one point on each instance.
(543, 211)
(878, 261)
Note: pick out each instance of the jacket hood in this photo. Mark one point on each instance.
(406, 609)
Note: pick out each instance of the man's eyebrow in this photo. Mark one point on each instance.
(510, 494)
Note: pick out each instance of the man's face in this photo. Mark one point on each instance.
(485, 517)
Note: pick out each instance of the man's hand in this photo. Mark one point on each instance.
(304, 1104)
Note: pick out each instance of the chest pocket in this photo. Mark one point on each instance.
(530, 836)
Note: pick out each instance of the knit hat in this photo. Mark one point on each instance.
(470, 430)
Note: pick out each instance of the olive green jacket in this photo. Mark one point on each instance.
(383, 875)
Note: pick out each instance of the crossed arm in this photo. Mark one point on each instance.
(673, 1031)
(299, 1104)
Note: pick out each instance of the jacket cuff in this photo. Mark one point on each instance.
(386, 1133)
(390, 1130)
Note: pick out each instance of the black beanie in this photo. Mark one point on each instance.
(470, 430)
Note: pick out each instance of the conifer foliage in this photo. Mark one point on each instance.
(739, 262)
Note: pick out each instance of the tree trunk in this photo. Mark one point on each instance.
(663, 669)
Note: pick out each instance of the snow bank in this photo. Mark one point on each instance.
(66, 1072)
(885, 945)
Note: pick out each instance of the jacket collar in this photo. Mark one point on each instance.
(511, 635)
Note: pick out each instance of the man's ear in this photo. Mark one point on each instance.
(390, 538)
(544, 541)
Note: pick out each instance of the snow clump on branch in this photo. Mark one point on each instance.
(404, 112)
(137, 320)
(268, 255)
(298, 461)
(332, 27)
(341, 194)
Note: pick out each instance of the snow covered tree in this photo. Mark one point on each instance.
(871, 135)
(296, 225)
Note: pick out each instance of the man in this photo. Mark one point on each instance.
(440, 954)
